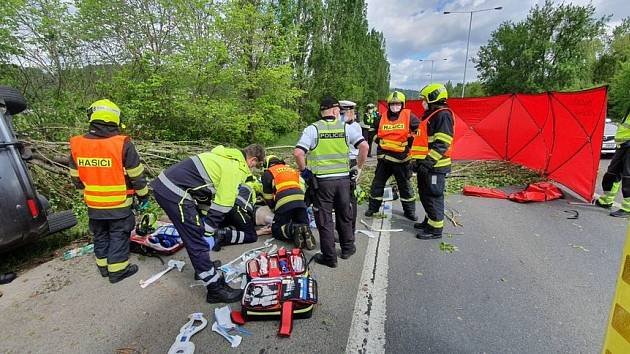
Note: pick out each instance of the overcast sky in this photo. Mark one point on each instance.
(418, 29)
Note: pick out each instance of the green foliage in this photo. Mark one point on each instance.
(555, 48)
(619, 95)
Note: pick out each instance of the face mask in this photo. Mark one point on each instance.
(425, 105)
(396, 107)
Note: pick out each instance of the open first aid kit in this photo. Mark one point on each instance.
(279, 287)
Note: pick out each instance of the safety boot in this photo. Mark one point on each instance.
(369, 213)
(620, 214)
(421, 225)
(347, 254)
(320, 259)
(219, 240)
(411, 216)
(103, 271)
(309, 238)
(429, 232)
(298, 236)
(603, 205)
(219, 292)
(115, 277)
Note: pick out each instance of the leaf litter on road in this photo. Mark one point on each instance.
(580, 247)
(448, 248)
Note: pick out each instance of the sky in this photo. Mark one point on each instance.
(418, 29)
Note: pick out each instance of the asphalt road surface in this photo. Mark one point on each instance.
(524, 279)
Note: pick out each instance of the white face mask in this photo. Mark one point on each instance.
(395, 107)
(425, 105)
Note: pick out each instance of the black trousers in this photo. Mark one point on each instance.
(618, 170)
(111, 242)
(283, 221)
(333, 194)
(368, 135)
(353, 203)
(238, 227)
(384, 170)
(187, 221)
(431, 187)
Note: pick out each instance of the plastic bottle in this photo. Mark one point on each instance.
(77, 252)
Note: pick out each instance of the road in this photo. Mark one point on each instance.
(524, 279)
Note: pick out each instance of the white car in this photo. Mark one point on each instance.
(608, 143)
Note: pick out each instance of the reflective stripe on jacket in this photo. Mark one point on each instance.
(330, 156)
(287, 185)
(393, 134)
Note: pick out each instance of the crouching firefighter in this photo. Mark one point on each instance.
(618, 173)
(106, 168)
(210, 178)
(239, 224)
(283, 191)
(433, 162)
(394, 138)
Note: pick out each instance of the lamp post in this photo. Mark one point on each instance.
(432, 61)
(468, 43)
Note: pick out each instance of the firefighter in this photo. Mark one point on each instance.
(328, 174)
(435, 163)
(239, 224)
(106, 168)
(348, 115)
(283, 191)
(367, 125)
(394, 139)
(208, 179)
(618, 173)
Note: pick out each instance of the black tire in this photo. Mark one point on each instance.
(13, 98)
(61, 221)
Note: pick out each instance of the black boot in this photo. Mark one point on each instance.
(369, 213)
(620, 214)
(309, 239)
(429, 233)
(411, 216)
(297, 235)
(421, 225)
(319, 258)
(115, 277)
(219, 292)
(347, 254)
(103, 271)
(603, 205)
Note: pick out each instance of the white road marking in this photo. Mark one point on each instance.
(367, 332)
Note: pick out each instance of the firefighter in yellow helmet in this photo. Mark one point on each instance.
(106, 168)
(432, 169)
(394, 138)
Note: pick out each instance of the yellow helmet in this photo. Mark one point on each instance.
(270, 161)
(396, 97)
(433, 93)
(104, 111)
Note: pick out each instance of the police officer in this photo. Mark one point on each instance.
(618, 173)
(210, 178)
(348, 115)
(432, 169)
(394, 138)
(283, 191)
(239, 224)
(367, 125)
(106, 168)
(327, 144)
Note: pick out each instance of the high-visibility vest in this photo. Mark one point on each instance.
(288, 187)
(101, 170)
(420, 147)
(623, 131)
(393, 134)
(330, 156)
(445, 159)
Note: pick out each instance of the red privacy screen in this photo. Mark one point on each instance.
(558, 134)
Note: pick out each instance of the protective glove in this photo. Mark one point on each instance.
(306, 174)
(355, 173)
(143, 203)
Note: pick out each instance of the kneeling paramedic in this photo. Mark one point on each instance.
(432, 169)
(327, 143)
(394, 139)
(210, 178)
(283, 191)
(239, 224)
(106, 168)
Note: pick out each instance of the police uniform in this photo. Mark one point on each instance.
(211, 179)
(394, 138)
(353, 155)
(106, 167)
(327, 143)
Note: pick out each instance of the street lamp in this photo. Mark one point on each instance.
(432, 61)
(468, 43)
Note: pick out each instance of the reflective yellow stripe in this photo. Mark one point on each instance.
(419, 157)
(288, 183)
(443, 163)
(392, 159)
(393, 143)
(101, 262)
(105, 199)
(419, 148)
(135, 172)
(435, 155)
(127, 203)
(444, 137)
(288, 199)
(435, 224)
(267, 196)
(142, 192)
(74, 173)
(408, 199)
(116, 188)
(117, 267)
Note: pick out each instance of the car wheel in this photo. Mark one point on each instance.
(13, 99)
